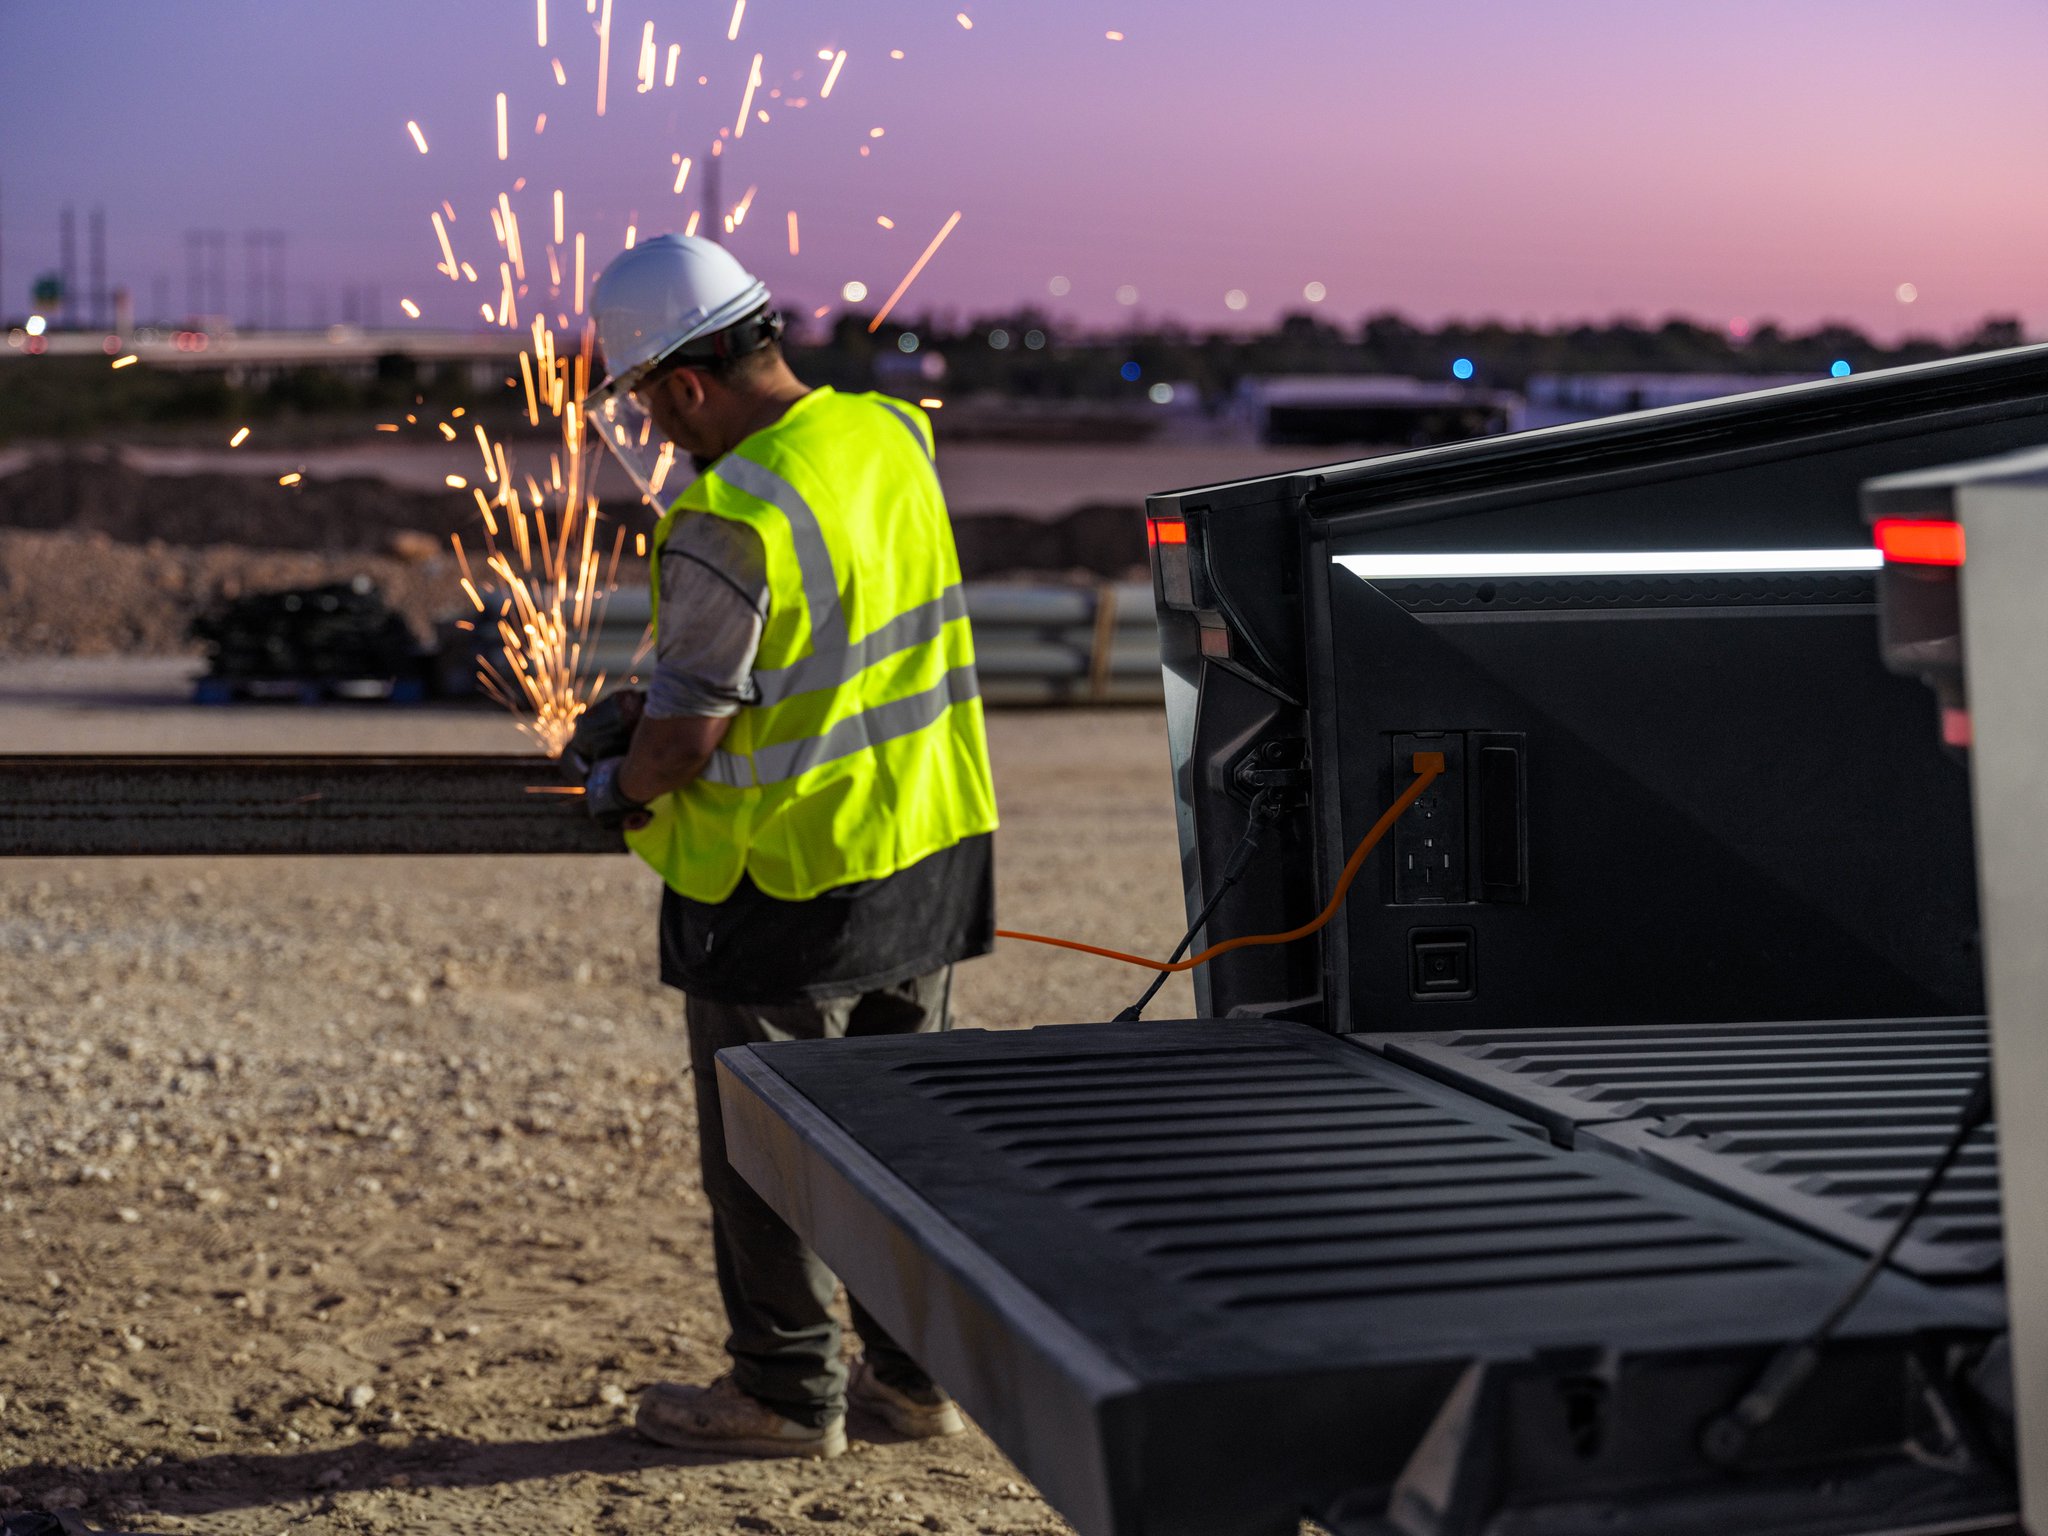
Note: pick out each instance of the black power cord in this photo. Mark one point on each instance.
(1267, 807)
(1727, 1435)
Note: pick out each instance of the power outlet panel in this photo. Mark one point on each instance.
(1467, 838)
(1430, 843)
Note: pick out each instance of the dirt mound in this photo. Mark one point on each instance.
(99, 557)
(71, 594)
(103, 493)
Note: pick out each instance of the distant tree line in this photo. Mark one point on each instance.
(1024, 354)
(989, 353)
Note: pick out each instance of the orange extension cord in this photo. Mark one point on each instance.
(1427, 766)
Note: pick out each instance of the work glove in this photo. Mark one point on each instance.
(603, 730)
(607, 803)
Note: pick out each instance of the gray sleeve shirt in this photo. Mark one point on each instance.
(714, 601)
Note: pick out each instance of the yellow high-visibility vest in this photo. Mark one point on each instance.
(866, 750)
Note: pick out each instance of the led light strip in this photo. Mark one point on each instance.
(1655, 562)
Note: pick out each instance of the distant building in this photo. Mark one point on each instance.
(1370, 410)
(1556, 398)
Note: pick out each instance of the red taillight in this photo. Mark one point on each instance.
(1166, 530)
(1920, 541)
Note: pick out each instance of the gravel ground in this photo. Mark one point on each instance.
(360, 1195)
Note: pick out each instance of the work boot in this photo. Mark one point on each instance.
(722, 1419)
(916, 1413)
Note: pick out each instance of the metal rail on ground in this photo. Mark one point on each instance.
(72, 807)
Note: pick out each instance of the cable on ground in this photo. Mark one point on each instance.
(1427, 765)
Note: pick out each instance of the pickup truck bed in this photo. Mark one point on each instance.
(1201, 1275)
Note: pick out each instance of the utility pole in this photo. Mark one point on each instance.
(96, 265)
(252, 261)
(67, 263)
(278, 317)
(711, 225)
(217, 272)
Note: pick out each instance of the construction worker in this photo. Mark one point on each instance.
(808, 771)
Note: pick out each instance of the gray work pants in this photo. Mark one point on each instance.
(785, 1341)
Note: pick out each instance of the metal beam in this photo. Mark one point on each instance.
(103, 805)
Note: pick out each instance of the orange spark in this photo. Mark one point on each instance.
(739, 9)
(747, 101)
(417, 137)
(792, 232)
(604, 53)
(504, 143)
(241, 436)
(916, 267)
(123, 362)
(410, 308)
(832, 74)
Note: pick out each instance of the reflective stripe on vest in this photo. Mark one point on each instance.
(908, 425)
(830, 668)
(856, 733)
(813, 559)
(861, 748)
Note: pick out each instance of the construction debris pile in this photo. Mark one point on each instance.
(98, 557)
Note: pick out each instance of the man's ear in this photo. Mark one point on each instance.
(686, 390)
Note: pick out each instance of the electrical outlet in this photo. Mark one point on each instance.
(1430, 845)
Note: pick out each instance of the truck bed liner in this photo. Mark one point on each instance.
(1194, 1276)
(1829, 1125)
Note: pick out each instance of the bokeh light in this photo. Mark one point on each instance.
(1131, 372)
(1235, 299)
(854, 292)
(1462, 368)
(1315, 293)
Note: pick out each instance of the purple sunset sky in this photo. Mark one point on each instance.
(1788, 159)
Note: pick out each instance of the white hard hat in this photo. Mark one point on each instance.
(673, 297)
(663, 294)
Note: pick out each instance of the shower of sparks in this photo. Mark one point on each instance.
(447, 251)
(911, 276)
(535, 576)
(241, 436)
(747, 101)
(123, 362)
